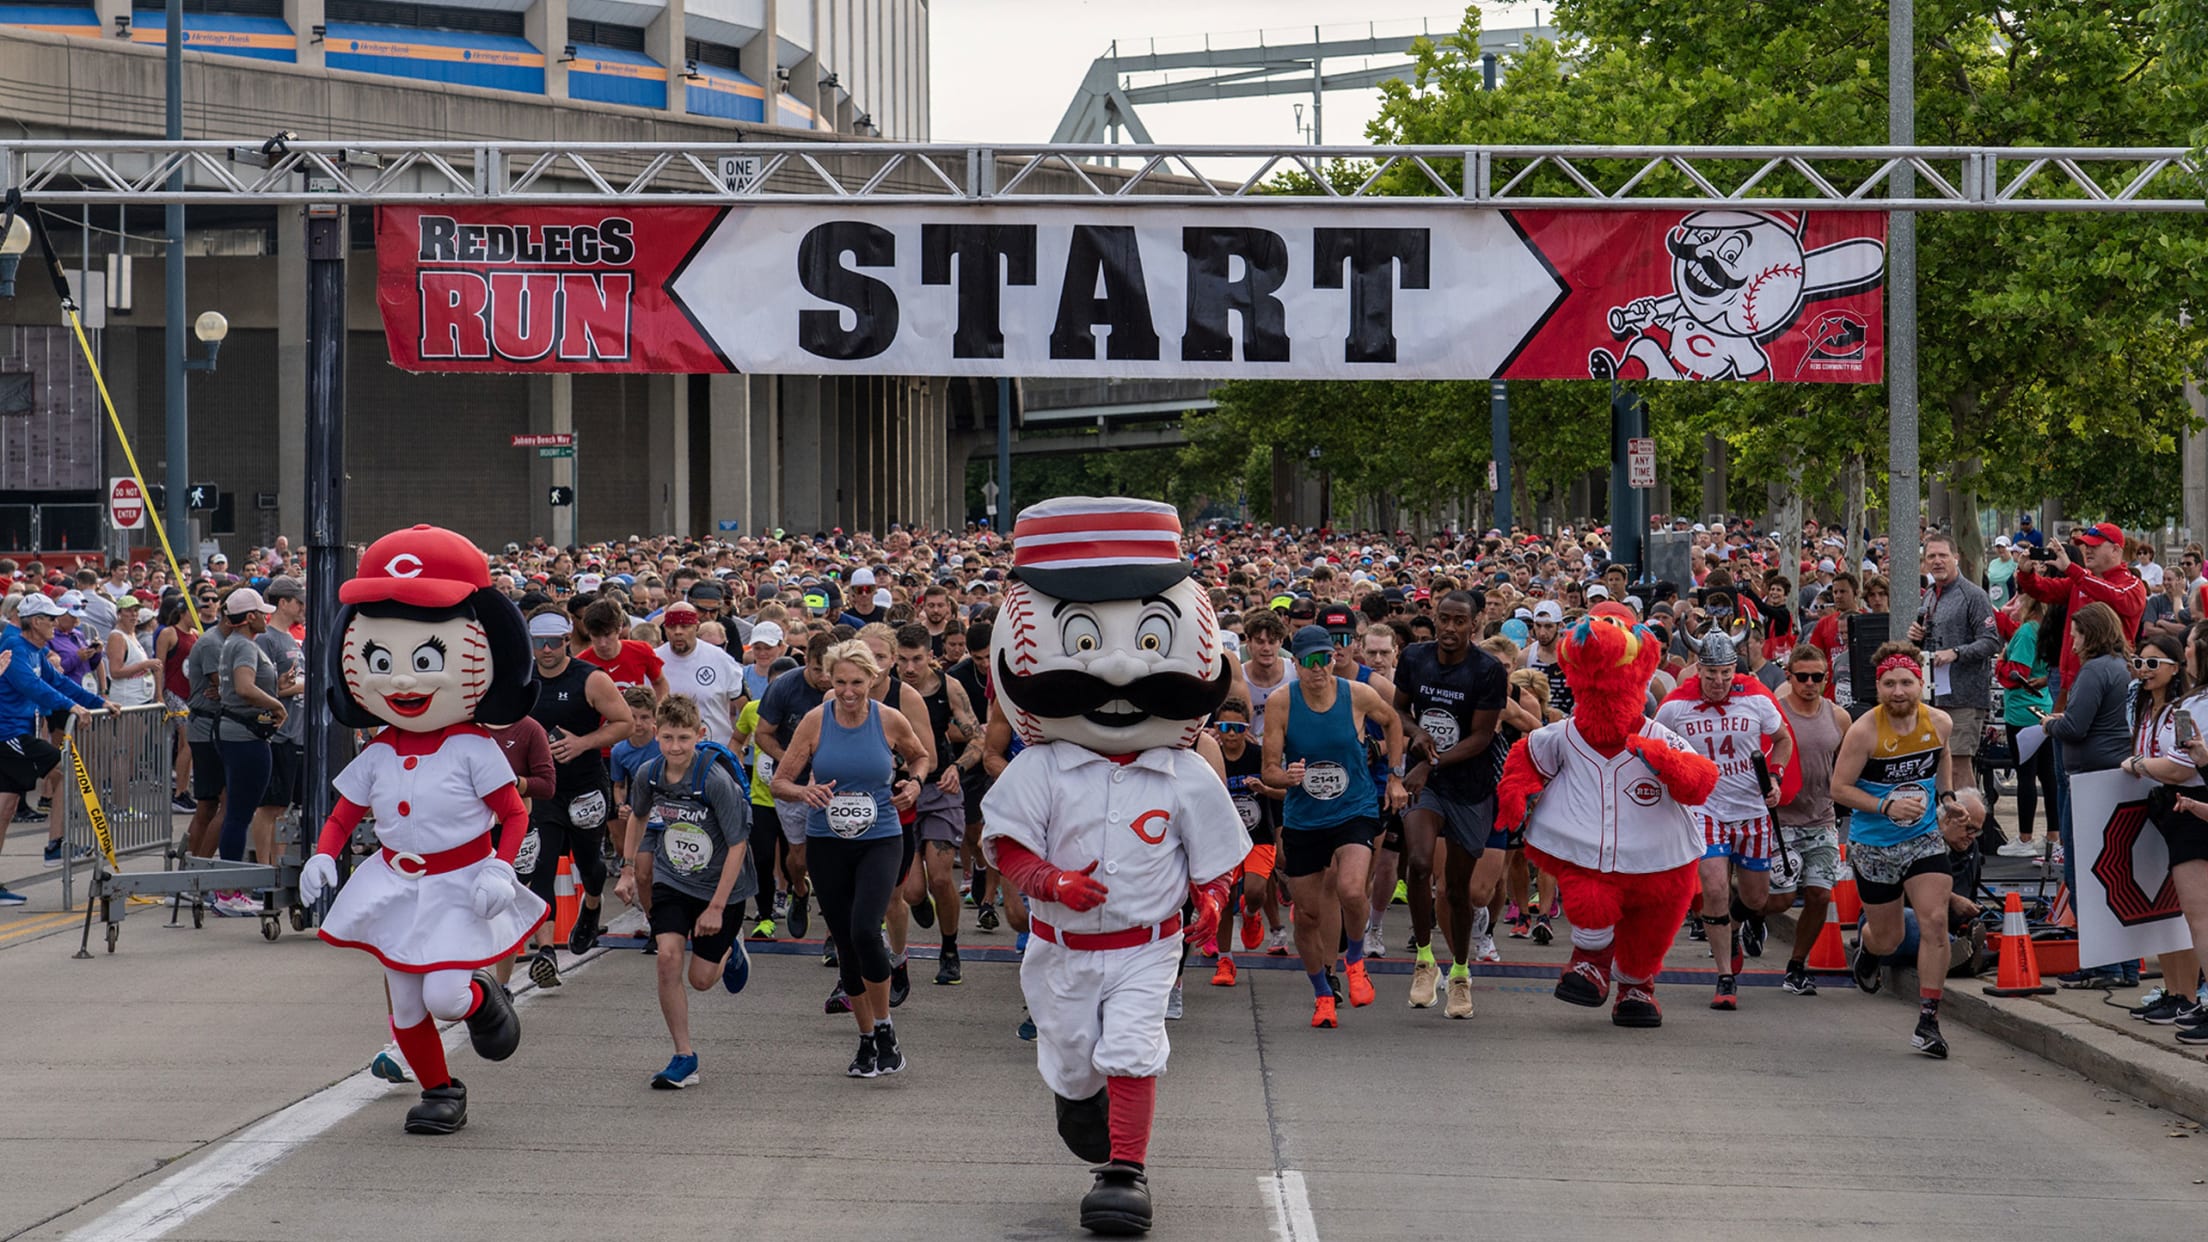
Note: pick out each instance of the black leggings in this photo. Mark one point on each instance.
(766, 854)
(2040, 768)
(555, 838)
(855, 880)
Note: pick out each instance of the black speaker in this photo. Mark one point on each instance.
(1867, 632)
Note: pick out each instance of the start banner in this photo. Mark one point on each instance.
(1255, 290)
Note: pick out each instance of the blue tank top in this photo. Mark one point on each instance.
(1337, 787)
(1374, 732)
(1908, 760)
(859, 762)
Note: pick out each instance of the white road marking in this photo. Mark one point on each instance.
(233, 1162)
(1291, 1206)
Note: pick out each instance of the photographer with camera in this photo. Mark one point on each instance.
(2051, 575)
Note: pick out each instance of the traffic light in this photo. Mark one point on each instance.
(562, 496)
(204, 498)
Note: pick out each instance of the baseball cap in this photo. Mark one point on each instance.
(705, 588)
(862, 577)
(2099, 533)
(283, 586)
(2001, 541)
(882, 598)
(1311, 638)
(1548, 612)
(425, 566)
(245, 600)
(766, 634)
(71, 602)
(1337, 619)
(1598, 591)
(679, 614)
(586, 583)
(36, 605)
(128, 601)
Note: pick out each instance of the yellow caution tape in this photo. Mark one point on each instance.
(92, 809)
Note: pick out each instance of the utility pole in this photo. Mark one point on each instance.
(1318, 89)
(329, 745)
(1903, 503)
(178, 423)
(1003, 524)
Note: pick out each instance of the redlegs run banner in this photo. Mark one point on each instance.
(1254, 290)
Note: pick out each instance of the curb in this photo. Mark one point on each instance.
(2158, 1074)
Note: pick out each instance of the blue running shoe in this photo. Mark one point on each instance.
(1027, 1028)
(387, 1067)
(11, 898)
(1019, 943)
(681, 1071)
(737, 972)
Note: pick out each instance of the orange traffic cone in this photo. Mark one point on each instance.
(1847, 901)
(567, 903)
(1828, 953)
(2019, 962)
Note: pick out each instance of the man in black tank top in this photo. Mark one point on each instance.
(582, 713)
(942, 808)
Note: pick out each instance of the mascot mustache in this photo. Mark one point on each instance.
(1070, 692)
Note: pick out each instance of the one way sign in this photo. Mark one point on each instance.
(205, 498)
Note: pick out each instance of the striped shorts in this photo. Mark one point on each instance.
(1746, 841)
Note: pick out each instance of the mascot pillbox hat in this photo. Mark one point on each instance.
(425, 566)
(1086, 548)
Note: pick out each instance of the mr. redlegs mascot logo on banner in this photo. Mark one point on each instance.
(1604, 798)
(425, 647)
(1107, 662)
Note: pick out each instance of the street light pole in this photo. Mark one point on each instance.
(1902, 502)
(178, 516)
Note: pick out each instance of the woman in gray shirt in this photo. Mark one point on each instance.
(2093, 735)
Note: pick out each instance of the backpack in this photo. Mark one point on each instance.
(710, 754)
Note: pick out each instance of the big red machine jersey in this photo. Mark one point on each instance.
(1731, 734)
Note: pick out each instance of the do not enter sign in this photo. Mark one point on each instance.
(126, 504)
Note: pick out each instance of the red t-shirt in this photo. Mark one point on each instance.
(637, 665)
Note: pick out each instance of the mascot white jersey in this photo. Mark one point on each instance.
(1108, 663)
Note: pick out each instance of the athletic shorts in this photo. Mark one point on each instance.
(1391, 832)
(675, 913)
(973, 787)
(1882, 870)
(57, 721)
(1468, 826)
(25, 761)
(1746, 841)
(1515, 839)
(1259, 861)
(941, 816)
(1308, 851)
(208, 778)
(1806, 857)
(2186, 837)
(284, 761)
(792, 816)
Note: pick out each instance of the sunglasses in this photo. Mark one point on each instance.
(1317, 659)
(1344, 640)
(548, 643)
(2147, 664)
(1231, 728)
(1809, 679)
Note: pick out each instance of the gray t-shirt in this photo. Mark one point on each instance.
(240, 651)
(202, 666)
(694, 828)
(290, 657)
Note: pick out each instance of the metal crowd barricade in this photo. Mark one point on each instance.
(120, 764)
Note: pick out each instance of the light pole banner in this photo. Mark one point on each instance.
(2126, 905)
(1254, 290)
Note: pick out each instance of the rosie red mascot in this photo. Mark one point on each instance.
(426, 648)
(1604, 797)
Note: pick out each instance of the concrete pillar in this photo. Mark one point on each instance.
(291, 368)
(728, 472)
(546, 26)
(834, 442)
(2195, 453)
(843, 471)
(667, 411)
(1713, 477)
(663, 42)
(757, 59)
(765, 511)
(552, 409)
(804, 84)
(302, 16)
(803, 507)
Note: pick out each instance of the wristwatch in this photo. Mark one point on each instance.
(1397, 770)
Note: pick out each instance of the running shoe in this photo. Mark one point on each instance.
(838, 1001)
(1587, 982)
(1556, 908)
(781, 905)
(2167, 1011)
(862, 1064)
(1521, 925)
(1360, 986)
(1798, 982)
(827, 951)
(1375, 945)
(2147, 1002)
(1727, 996)
(985, 917)
(1334, 983)
(1026, 1029)
(1460, 997)
(900, 983)
(1542, 932)
(1694, 929)
(8, 897)
(544, 968)
(681, 1071)
(736, 972)
(1402, 892)
(1865, 969)
(947, 969)
(1753, 932)
(763, 930)
(923, 913)
(1276, 944)
(2196, 1016)
(56, 851)
(388, 1068)
(2024, 848)
(1224, 976)
(1636, 1007)
(2089, 980)
(1253, 930)
(237, 905)
(2193, 1034)
(1019, 944)
(25, 815)
(585, 936)
(1927, 1038)
(1174, 1005)
(1425, 980)
(1322, 1013)
(799, 917)
(889, 1057)
(1511, 913)
(1485, 950)
(182, 805)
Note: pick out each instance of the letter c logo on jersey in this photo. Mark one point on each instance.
(1644, 792)
(1141, 826)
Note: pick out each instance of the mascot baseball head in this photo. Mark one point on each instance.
(424, 642)
(1608, 658)
(1104, 640)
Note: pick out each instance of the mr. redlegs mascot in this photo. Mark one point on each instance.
(427, 648)
(1603, 796)
(1107, 662)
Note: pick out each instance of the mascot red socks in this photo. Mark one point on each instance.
(1604, 798)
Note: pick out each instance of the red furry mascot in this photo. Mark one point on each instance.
(1604, 798)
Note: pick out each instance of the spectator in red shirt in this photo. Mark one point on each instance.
(627, 661)
(2104, 578)
(1830, 635)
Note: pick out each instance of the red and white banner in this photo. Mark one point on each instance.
(1255, 290)
(2126, 903)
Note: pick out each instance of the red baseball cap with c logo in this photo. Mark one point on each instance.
(426, 566)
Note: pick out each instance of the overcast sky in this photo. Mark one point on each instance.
(1004, 70)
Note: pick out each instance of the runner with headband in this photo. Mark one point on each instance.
(583, 715)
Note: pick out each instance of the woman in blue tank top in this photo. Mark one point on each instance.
(852, 839)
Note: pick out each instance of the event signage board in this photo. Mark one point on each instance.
(1252, 290)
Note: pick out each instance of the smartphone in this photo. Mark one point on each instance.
(2187, 731)
(2043, 554)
